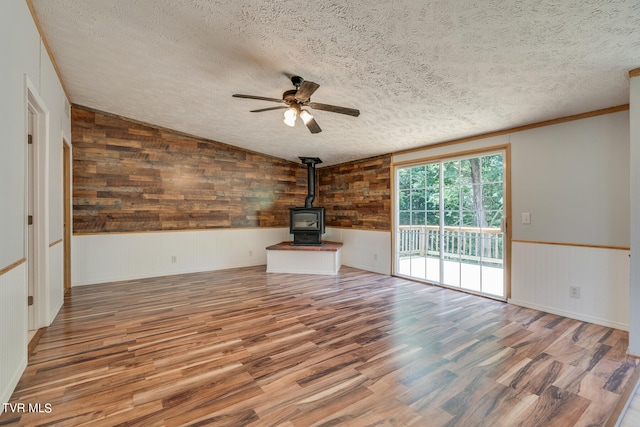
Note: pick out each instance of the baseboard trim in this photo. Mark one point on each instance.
(34, 341)
(572, 315)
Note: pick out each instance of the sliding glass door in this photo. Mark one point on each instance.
(450, 223)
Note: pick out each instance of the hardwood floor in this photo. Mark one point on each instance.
(245, 348)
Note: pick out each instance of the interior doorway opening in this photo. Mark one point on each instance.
(36, 206)
(67, 218)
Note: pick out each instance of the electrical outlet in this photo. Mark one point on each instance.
(574, 291)
(526, 217)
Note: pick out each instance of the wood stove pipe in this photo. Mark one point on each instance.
(311, 163)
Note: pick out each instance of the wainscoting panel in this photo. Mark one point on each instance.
(542, 275)
(363, 249)
(13, 329)
(103, 258)
(56, 280)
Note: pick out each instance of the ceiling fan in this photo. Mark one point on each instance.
(297, 98)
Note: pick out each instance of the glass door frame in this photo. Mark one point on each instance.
(505, 150)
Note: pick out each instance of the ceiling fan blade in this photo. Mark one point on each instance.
(305, 90)
(268, 109)
(313, 126)
(262, 98)
(335, 109)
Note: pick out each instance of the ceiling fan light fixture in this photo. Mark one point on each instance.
(290, 116)
(306, 116)
(295, 99)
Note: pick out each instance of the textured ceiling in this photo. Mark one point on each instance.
(420, 72)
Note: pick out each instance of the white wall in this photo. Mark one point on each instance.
(23, 57)
(543, 273)
(573, 178)
(364, 249)
(634, 160)
(101, 258)
(20, 55)
(108, 257)
(56, 282)
(13, 325)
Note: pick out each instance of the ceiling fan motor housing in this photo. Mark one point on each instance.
(297, 81)
(289, 97)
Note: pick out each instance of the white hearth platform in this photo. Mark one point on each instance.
(287, 258)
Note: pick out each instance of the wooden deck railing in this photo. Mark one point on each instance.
(466, 243)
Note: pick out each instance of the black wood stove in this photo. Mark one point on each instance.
(307, 223)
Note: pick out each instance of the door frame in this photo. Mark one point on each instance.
(506, 149)
(66, 213)
(40, 175)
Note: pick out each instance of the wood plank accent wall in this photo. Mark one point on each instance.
(131, 177)
(357, 194)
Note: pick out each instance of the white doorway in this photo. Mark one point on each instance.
(36, 206)
(31, 258)
(66, 214)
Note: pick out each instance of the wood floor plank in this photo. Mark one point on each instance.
(243, 347)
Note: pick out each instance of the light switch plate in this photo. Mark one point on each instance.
(526, 217)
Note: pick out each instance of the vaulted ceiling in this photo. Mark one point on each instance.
(420, 72)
